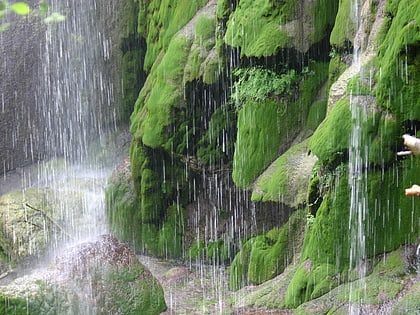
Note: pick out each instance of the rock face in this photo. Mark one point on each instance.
(223, 144)
(98, 277)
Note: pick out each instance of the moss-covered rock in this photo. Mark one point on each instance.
(122, 205)
(328, 239)
(398, 58)
(159, 21)
(100, 277)
(267, 127)
(265, 256)
(262, 28)
(286, 180)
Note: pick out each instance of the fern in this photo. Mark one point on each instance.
(256, 84)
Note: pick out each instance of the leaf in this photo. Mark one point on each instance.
(4, 27)
(54, 17)
(20, 8)
(43, 8)
(2, 5)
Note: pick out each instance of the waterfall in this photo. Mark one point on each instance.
(358, 167)
(77, 96)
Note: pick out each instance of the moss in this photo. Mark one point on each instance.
(389, 223)
(265, 256)
(18, 306)
(331, 138)
(356, 86)
(254, 26)
(316, 114)
(223, 9)
(344, 27)
(138, 292)
(372, 290)
(336, 68)
(238, 270)
(204, 41)
(170, 236)
(280, 181)
(131, 69)
(26, 223)
(295, 294)
(399, 81)
(259, 27)
(259, 136)
(265, 127)
(164, 19)
(162, 91)
(323, 13)
(122, 209)
(409, 303)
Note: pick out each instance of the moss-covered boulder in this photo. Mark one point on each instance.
(265, 256)
(391, 276)
(286, 180)
(327, 242)
(267, 127)
(262, 28)
(99, 277)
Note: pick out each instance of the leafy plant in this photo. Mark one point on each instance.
(256, 84)
(23, 9)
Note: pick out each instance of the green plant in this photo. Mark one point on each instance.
(256, 84)
(23, 9)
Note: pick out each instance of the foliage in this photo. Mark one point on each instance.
(23, 9)
(256, 84)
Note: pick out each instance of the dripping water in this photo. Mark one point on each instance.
(358, 167)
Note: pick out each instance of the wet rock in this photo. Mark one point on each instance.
(97, 277)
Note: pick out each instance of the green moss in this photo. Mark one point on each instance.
(204, 41)
(259, 136)
(295, 294)
(324, 13)
(254, 26)
(238, 270)
(409, 303)
(138, 291)
(264, 127)
(170, 238)
(331, 138)
(131, 69)
(122, 209)
(265, 256)
(223, 9)
(336, 68)
(275, 185)
(372, 290)
(399, 81)
(316, 114)
(164, 19)
(162, 91)
(389, 223)
(356, 86)
(344, 27)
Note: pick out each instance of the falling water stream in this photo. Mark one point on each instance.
(73, 141)
(357, 179)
